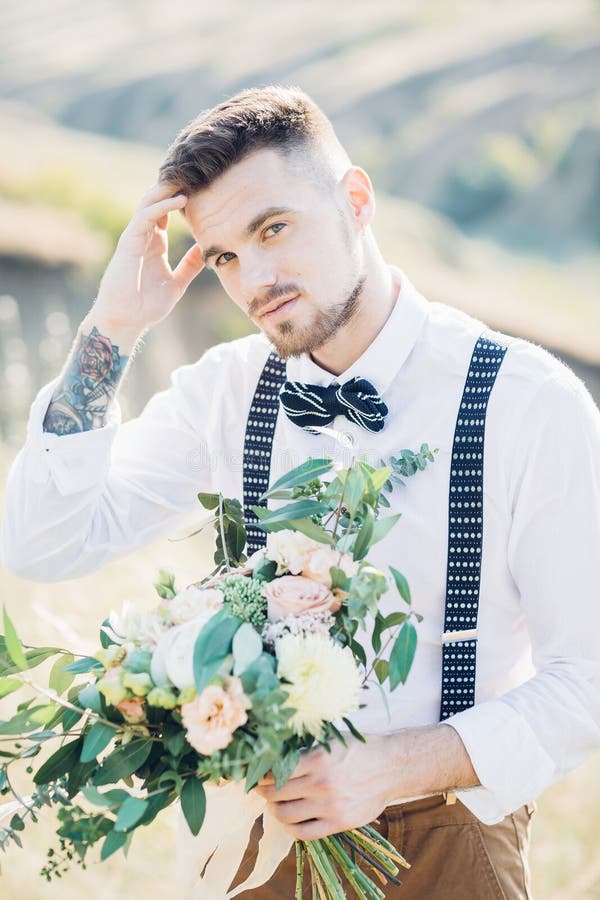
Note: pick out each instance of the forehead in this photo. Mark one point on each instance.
(265, 178)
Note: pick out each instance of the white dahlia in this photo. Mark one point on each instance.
(325, 682)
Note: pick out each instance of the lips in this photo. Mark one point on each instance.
(278, 305)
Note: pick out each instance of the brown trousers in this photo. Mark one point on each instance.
(452, 854)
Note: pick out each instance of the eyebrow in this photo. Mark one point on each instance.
(251, 228)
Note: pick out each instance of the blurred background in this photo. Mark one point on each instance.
(479, 124)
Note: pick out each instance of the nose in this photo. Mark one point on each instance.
(257, 273)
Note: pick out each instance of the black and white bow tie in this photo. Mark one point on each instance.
(312, 404)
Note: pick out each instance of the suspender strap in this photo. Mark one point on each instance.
(465, 530)
(258, 444)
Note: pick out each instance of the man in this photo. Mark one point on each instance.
(283, 218)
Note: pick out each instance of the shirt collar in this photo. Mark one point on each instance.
(384, 357)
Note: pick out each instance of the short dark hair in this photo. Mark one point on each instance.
(284, 118)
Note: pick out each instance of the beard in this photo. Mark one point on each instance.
(292, 340)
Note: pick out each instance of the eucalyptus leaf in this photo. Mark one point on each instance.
(208, 501)
(123, 761)
(86, 664)
(302, 474)
(246, 647)
(90, 698)
(363, 539)
(383, 526)
(401, 584)
(13, 644)
(98, 737)
(402, 655)
(130, 813)
(354, 486)
(193, 804)
(381, 667)
(59, 763)
(212, 646)
(300, 509)
(284, 766)
(311, 530)
(8, 685)
(59, 680)
(113, 841)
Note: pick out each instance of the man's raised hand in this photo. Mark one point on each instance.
(139, 288)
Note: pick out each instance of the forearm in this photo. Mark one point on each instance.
(427, 760)
(91, 378)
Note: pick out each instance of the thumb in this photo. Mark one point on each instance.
(190, 265)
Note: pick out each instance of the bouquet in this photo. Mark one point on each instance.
(226, 680)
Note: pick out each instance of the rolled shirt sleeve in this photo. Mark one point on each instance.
(74, 502)
(525, 740)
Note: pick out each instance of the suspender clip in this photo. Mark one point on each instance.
(468, 634)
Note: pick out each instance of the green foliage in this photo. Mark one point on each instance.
(193, 803)
(123, 762)
(96, 740)
(312, 468)
(402, 655)
(13, 644)
(212, 647)
(229, 526)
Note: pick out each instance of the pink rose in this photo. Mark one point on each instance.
(295, 594)
(211, 718)
(320, 560)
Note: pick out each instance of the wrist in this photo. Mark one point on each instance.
(122, 336)
(427, 760)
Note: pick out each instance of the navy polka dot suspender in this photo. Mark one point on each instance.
(465, 522)
(465, 530)
(258, 444)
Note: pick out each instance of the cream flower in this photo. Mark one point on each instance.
(294, 594)
(320, 560)
(289, 549)
(152, 627)
(211, 718)
(325, 680)
(126, 625)
(191, 603)
(173, 660)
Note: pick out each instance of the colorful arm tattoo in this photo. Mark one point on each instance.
(82, 398)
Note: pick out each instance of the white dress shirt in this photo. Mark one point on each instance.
(75, 502)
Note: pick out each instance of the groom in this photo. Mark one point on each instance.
(503, 697)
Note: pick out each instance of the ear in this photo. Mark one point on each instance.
(359, 195)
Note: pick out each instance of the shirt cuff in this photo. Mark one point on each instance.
(512, 766)
(75, 462)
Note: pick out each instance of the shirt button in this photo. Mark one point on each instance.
(350, 436)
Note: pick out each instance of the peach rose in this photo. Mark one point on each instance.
(292, 595)
(132, 709)
(322, 558)
(211, 718)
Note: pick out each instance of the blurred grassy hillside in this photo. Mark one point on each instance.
(486, 112)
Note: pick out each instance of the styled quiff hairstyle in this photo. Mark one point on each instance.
(284, 118)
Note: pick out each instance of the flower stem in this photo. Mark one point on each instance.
(299, 869)
(318, 851)
(364, 888)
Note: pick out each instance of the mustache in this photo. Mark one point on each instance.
(282, 290)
